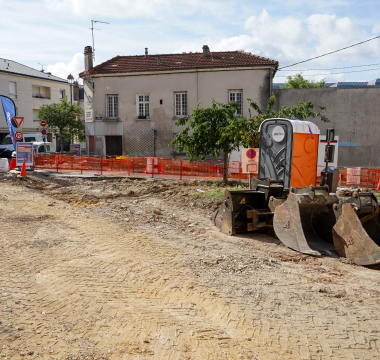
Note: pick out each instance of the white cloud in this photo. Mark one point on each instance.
(290, 39)
(376, 29)
(138, 9)
(73, 67)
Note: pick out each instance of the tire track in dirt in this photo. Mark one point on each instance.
(85, 284)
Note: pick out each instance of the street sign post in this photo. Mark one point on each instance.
(43, 132)
(250, 160)
(75, 148)
(18, 135)
(43, 123)
(24, 151)
(18, 120)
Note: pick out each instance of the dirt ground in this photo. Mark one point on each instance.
(134, 269)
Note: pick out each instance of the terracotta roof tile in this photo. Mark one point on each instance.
(222, 59)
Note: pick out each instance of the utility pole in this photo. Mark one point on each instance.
(92, 32)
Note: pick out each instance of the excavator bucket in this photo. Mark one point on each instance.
(244, 211)
(356, 233)
(305, 220)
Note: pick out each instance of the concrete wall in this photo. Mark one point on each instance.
(200, 86)
(355, 115)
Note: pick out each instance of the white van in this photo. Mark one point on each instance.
(6, 146)
(40, 147)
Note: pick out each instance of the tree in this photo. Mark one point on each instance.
(63, 119)
(248, 129)
(217, 129)
(298, 82)
(208, 132)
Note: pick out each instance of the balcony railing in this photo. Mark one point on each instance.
(40, 96)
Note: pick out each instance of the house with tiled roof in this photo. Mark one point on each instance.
(133, 102)
(29, 89)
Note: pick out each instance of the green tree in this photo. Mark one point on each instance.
(248, 128)
(64, 119)
(205, 133)
(217, 129)
(298, 82)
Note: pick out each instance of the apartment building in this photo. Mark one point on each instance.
(30, 89)
(133, 102)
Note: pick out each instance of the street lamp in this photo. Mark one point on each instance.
(70, 79)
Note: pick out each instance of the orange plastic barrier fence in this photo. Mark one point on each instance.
(356, 177)
(139, 167)
(151, 167)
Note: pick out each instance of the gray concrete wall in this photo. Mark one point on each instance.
(355, 115)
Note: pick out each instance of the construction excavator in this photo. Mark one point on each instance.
(309, 218)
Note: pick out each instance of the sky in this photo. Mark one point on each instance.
(53, 33)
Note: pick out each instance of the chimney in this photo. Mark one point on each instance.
(205, 50)
(88, 58)
(146, 53)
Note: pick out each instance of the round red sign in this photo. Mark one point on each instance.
(18, 135)
(251, 153)
(43, 123)
(43, 131)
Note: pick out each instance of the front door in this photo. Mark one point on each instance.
(114, 145)
(275, 161)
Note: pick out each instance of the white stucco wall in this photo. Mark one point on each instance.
(200, 86)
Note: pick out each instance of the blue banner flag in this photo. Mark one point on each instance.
(9, 111)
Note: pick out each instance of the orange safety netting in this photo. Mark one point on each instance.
(179, 169)
(139, 167)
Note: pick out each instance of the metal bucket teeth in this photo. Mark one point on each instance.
(358, 239)
(305, 220)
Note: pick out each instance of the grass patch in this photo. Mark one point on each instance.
(216, 189)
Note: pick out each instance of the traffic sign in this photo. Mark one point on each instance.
(251, 153)
(43, 131)
(250, 160)
(18, 120)
(43, 123)
(18, 135)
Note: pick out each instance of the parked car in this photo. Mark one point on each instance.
(6, 146)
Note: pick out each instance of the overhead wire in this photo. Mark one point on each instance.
(346, 67)
(343, 72)
(331, 52)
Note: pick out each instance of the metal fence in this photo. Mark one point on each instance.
(154, 167)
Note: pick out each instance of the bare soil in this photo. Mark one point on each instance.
(134, 269)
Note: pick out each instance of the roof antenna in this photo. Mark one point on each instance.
(92, 32)
(42, 66)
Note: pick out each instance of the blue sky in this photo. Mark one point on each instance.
(55, 32)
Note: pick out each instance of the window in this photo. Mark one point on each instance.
(143, 106)
(29, 139)
(12, 90)
(7, 141)
(61, 94)
(180, 103)
(35, 117)
(112, 107)
(237, 96)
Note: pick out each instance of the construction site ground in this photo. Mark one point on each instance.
(134, 269)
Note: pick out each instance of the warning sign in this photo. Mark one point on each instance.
(24, 151)
(250, 160)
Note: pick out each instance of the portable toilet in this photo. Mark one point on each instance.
(289, 151)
